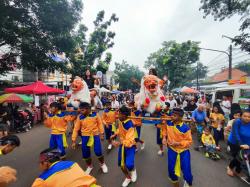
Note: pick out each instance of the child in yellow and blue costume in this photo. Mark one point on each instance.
(109, 117)
(126, 153)
(177, 137)
(57, 173)
(90, 125)
(137, 123)
(164, 113)
(57, 122)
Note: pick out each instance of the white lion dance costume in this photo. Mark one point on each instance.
(150, 98)
(80, 93)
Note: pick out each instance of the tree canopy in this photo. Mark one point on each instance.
(30, 29)
(89, 53)
(222, 9)
(244, 66)
(176, 60)
(124, 73)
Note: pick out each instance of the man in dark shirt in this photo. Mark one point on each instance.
(4, 119)
(89, 79)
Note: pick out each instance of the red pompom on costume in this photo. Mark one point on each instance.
(163, 98)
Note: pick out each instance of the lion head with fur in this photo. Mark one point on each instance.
(77, 84)
(151, 83)
(80, 93)
(150, 97)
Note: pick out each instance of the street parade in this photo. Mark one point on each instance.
(77, 118)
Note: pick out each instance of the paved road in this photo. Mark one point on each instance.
(152, 169)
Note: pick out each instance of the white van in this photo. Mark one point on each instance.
(236, 94)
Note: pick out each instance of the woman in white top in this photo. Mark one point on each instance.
(114, 103)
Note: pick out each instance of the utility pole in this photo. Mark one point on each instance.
(230, 63)
(229, 58)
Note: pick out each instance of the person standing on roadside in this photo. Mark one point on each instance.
(114, 103)
(226, 106)
(89, 79)
(4, 120)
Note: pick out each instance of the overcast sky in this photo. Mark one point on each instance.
(144, 24)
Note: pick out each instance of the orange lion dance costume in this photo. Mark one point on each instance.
(150, 97)
(80, 93)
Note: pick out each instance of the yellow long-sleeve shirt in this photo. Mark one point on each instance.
(217, 119)
(207, 139)
(58, 122)
(109, 117)
(89, 126)
(64, 174)
(180, 133)
(126, 132)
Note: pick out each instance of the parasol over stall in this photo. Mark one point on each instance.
(36, 88)
(15, 98)
(186, 89)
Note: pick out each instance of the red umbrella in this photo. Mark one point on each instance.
(37, 88)
(15, 98)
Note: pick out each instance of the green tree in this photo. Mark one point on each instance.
(192, 71)
(30, 29)
(244, 66)
(175, 60)
(222, 9)
(123, 74)
(89, 52)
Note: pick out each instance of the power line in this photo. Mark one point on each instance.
(214, 61)
(240, 56)
(219, 67)
(240, 61)
(224, 63)
(226, 59)
(219, 64)
(219, 60)
(215, 58)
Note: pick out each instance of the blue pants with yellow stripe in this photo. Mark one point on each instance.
(56, 142)
(108, 132)
(158, 136)
(185, 166)
(129, 157)
(86, 150)
(138, 129)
